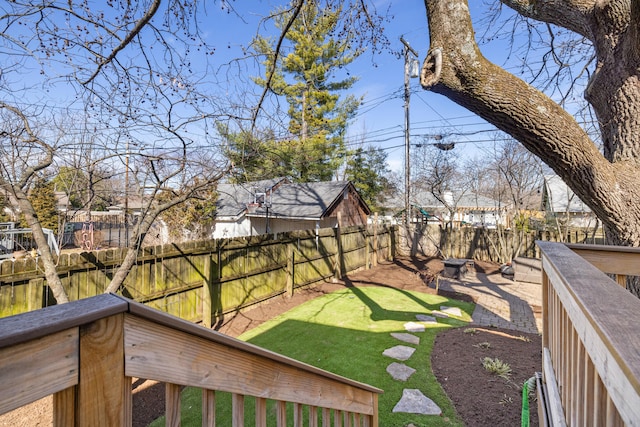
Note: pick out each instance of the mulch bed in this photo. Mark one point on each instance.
(483, 398)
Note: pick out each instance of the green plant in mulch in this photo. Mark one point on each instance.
(483, 344)
(345, 332)
(497, 366)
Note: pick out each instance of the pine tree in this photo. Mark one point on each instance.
(43, 199)
(367, 169)
(318, 118)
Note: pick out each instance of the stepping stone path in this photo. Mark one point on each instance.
(413, 401)
(399, 352)
(408, 338)
(448, 311)
(400, 371)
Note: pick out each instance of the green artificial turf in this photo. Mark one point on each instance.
(345, 332)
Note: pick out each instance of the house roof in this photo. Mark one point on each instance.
(558, 197)
(307, 200)
(233, 198)
(466, 200)
(313, 200)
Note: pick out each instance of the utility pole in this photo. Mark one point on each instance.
(126, 195)
(407, 75)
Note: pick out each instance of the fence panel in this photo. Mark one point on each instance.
(200, 280)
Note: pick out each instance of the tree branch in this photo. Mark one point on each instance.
(283, 34)
(525, 113)
(134, 32)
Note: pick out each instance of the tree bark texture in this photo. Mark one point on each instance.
(609, 182)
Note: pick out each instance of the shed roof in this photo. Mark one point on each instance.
(312, 200)
(233, 198)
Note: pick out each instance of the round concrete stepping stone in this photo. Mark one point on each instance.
(399, 352)
(400, 371)
(414, 327)
(408, 338)
(452, 311)
(426, 318)
(414, 402)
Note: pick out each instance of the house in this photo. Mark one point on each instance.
(560, 202)
(277, 206)
(460, 208)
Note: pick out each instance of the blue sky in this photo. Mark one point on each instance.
(380, 120)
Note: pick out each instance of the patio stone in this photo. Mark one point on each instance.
(414, 327)
(400, 371)
(399, 352)
(408, 338)
(426, 318)
(452, 311)
(414, 402)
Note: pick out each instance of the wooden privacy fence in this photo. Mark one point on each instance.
(87, 352)
(487, 244)
(201, 281)
(591, 354)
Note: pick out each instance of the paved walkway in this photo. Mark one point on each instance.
(500, 302)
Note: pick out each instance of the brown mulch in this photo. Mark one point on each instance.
(481, 398)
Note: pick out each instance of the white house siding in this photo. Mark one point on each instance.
(227, 228)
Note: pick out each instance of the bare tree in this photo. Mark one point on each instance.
(26, 155)
(513, 177)
(608, 181)
(125, 72)
(437, 172)
(137, 79)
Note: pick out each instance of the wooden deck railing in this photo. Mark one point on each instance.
(591, 344)
(86, 353)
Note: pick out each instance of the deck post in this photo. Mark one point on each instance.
(103, 390)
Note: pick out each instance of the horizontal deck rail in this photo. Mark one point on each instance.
(85, 354)
(591, 353)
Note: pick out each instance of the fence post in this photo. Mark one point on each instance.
(207, 294)
(290, 269)
(375, 240)
(337, 265)
(368, 257)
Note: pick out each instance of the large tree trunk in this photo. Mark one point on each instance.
(609, 184)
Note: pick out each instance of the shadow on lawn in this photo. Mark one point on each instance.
(380, 313)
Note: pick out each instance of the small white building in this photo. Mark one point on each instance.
(277, 206)
(561, 202)
(461, 209)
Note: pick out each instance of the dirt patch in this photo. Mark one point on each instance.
(483, 398)
(480, 398)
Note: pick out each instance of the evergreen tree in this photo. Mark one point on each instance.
(43, 199)
(368, 170)
(90, 189)
(254, 158)
(315, 147)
